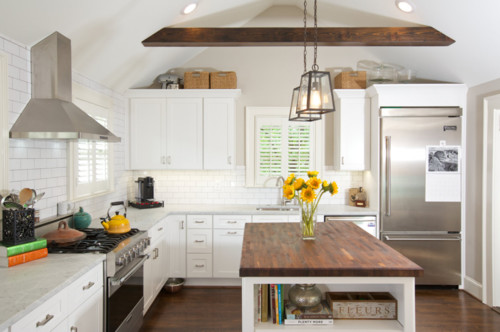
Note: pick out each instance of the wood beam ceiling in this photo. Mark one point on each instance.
(366, 36)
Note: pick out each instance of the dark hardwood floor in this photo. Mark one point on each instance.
(219, 309)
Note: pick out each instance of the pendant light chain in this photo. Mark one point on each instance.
(305, 36)
(315, 67)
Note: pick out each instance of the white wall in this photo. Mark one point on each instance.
(473, 246)
(41, 164)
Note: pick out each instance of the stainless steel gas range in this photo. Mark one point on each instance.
(124, 266)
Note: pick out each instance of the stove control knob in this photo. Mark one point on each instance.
(131, 254)
(120, 261)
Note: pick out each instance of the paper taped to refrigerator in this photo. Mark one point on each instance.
(443, 174)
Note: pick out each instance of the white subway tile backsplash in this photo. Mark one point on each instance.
(19, 62)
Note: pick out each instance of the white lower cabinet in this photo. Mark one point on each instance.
(78, 307)
(155, 267)
(199, 265)
(227, 252)
(176, 246)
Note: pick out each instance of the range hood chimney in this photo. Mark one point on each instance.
(50, 113)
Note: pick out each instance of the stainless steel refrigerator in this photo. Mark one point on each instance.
(421, 225)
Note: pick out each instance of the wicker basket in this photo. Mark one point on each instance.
(196, 80)
(223, 80)
(350, 80)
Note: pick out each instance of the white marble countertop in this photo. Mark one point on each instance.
(144, 219)
(24, 287)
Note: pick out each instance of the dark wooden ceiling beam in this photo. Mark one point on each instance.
(369, 36)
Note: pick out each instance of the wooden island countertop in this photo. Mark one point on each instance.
(341, 249)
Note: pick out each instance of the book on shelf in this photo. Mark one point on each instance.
(7, 251)
(272, 303)
(23, 258)
(259, 304)
(318, 315)
(279, 319)
(321, 311)
(265, 302)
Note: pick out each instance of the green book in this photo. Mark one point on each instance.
(7, 251)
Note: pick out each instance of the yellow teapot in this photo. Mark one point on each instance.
(117, 224)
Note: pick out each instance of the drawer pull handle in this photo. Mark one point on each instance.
(199, 265)
(160, 229)
(232, 233)
(199, 221)
(232, 222)
(89, 285)
(45, 321)
(182, 224)
(74, 329)
(199, 241)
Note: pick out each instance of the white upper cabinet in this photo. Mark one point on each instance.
(351, 130)
(182, 129)
(184, 133)
(218, 133)
(147, 133)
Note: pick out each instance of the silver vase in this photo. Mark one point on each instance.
(304, 295)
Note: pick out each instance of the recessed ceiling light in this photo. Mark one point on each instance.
(405, 5)
(190, 8)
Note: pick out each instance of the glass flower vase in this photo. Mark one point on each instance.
(307, 221)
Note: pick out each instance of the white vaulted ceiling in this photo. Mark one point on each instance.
(106, 35)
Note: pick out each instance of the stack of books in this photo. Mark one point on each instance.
(270, 305)
(22, 253)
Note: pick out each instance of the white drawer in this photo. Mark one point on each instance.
(231, 221)
(199, 241)
(44, 318)
(199, 221)
(199, 265)
(270, 218)
(157, 231)
(84, 287)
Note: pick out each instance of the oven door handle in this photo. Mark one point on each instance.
(120, 281)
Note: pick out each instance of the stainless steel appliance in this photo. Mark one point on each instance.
(145, 194)
(124, 300)
(427, 231)
(367, 223)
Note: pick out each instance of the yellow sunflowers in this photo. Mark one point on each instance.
(305, 192)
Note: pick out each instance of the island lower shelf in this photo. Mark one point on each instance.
(402, 288)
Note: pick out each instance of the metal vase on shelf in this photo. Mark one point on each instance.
(304, 295)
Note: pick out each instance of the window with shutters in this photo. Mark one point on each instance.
(91, 161)
(277, 147)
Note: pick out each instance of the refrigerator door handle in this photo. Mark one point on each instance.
(388, 176)
(451, 238)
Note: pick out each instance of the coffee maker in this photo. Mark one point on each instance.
(145, 194)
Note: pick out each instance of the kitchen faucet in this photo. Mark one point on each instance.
(281, 198)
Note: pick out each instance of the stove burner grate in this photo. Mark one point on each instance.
(97, 240)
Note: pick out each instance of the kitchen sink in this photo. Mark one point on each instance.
(277, 208)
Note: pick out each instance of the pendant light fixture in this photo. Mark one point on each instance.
(314, 95)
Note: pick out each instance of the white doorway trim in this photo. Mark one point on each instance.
(4, 123)
(491, 201)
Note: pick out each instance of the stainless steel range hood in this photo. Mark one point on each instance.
(50, 114)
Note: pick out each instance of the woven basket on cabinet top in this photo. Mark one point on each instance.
(223, 80)
(196, 80)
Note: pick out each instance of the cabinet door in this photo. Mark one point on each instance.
(184, 133)
(154, 272)
(227, 252)
(218, 133)
(199, 265)
(89, 315)
(199, 241)
(176, 244)
(351, 131)
(159, 271)
(147, 133)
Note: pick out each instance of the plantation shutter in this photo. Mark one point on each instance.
(91, 158)
(282, 148)
(299, 149)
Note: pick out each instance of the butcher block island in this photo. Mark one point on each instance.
(343, 258)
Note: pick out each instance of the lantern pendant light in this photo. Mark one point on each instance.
(314, 95)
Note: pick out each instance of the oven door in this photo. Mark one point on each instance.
(125, 298)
